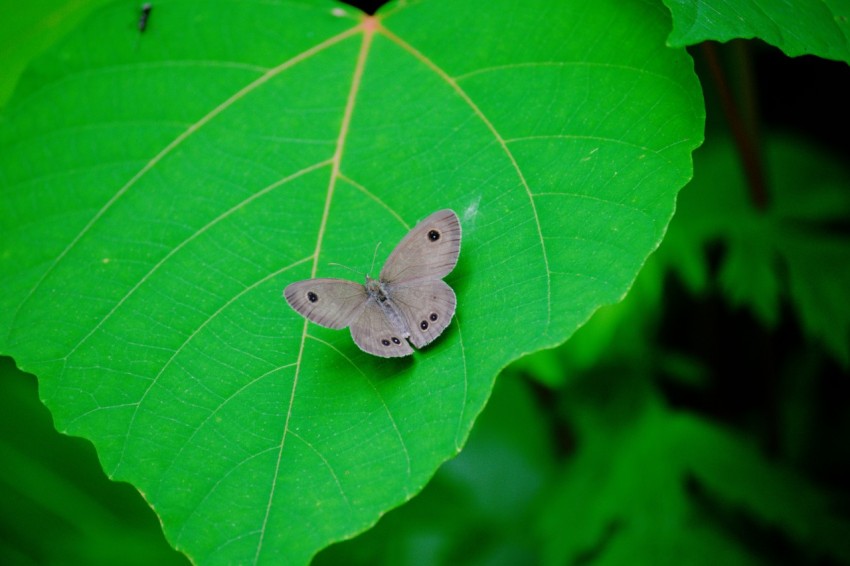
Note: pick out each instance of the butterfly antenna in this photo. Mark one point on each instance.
(373, 258)
(345, 267)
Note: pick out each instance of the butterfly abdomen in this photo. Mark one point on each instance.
(379, 292)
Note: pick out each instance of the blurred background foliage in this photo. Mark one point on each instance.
(702, 420)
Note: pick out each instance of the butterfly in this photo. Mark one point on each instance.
(408, 303)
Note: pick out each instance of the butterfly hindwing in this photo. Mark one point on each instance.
(373, 333)
(427, 308)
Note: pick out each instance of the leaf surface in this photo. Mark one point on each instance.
(161, 189)
(801, 27)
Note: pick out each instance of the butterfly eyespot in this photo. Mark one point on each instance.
(433, 316)
(433, 235)
(385, 342)
(396, 340)
(312, 297)
(423, 325)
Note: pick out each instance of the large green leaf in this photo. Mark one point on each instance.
(159, 191)
(798, 27)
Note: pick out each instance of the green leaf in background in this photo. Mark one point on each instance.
(637, 482)
(27, 28)
(160, 190)
(58, 507)
(794, 249)
(800, 27)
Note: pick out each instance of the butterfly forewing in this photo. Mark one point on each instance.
(427, 308)
(429, 251)
(333, 303)
(374, 334)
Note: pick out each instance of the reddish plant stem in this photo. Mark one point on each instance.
(743, 123)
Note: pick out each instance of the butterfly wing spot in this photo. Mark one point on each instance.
(374, 333)
(433, 235)
(433, 316)
(332, 303)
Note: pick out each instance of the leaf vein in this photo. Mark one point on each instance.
(453, 84)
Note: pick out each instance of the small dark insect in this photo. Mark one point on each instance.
(143, 18)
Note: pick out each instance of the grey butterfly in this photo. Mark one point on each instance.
(409, 300)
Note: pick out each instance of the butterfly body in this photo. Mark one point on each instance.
(409, 302)
(381, 294)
